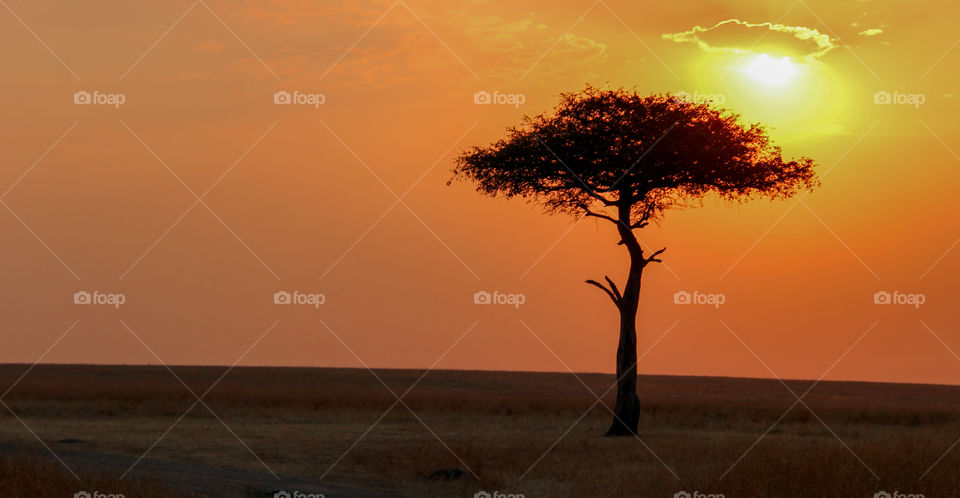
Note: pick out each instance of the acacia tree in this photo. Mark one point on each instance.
(626, 158)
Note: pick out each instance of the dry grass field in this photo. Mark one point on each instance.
(536, 434)
(29, 477)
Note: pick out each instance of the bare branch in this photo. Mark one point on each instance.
(613, 287)
(593, 193)
(653, 257)
(613, 297)
(601, 216)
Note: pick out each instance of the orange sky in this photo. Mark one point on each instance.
(305, 198)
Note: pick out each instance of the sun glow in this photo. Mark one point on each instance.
(773, 71)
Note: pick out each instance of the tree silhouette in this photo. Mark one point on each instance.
(626, 158)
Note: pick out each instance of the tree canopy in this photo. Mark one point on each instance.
(642, 154)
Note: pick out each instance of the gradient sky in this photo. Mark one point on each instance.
(302, 198)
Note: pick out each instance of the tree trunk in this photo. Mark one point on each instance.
(627, 408)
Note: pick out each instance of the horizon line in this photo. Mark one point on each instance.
(362, 368)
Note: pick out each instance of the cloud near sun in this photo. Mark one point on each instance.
(741, 37)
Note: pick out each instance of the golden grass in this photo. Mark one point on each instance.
(300, 421)
(28, 477)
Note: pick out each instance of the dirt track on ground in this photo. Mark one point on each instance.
(189, 478)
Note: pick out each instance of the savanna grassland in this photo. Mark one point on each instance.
(536, 434)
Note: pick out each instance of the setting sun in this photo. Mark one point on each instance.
(771, 70)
